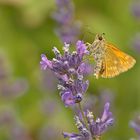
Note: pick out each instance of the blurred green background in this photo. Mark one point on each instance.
(36, 112)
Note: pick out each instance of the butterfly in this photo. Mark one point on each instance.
(109, 60)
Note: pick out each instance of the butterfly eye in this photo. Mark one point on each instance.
(100, 37)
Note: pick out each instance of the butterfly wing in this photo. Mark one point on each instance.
(115, 62)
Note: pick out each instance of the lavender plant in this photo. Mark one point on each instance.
(68, 29)
(135, 124)
(14, 128)
(136, 42)
(70, 70)
(135, 9)
(10, 89)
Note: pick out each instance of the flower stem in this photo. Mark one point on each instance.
(82, 112)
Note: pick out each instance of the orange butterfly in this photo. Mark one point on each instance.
(109, 61)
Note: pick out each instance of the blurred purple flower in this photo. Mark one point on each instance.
(65, 11)
(136, 127)
(96, 127)
(49, 107)
(135, 8)
(7, 117)
(68, 29)
(135, 124)
(12, 90)
(50, 132)
(106, 96)
(96, 102)
(67, 69)
(15, 131)
(18, 132)
(136, 42)
(48, 81)
(90, 102)
(73, 136)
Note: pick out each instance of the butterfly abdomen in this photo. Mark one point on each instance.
(98, 54)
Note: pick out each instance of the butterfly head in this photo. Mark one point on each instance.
(100, 37)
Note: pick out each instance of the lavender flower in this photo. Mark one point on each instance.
(69, 71)
(106, 95)
(13, 90)
(91, 101)
(96, 127)
(68, 29)
(7, 117)
(135, 124)
(135, 8)
(19, 132)
(136, 42)
(49, 107)
(10, 89)
(15, 130)
(65, 11)
(50, 132)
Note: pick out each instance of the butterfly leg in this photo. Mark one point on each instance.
(88, 44)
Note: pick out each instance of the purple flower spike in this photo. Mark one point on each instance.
(68, 29)
(135, 8)
(64, 12)
(135, 124)
(84, 133)
(69, 72)
(136, 42)
(101, 124)
(45, 63)
(106, 112)
(81, 48)
(73, 136)
(96, 127)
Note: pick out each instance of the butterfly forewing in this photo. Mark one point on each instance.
(115, 62)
